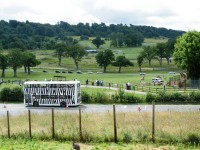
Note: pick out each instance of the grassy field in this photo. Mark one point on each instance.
(24, 144)
(119, 78)
(27, 144)
(178, 129)
(49, 59)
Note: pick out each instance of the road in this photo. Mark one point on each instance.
(16, 109)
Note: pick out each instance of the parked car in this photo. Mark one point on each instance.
(157, 80)
(70, 71)
(171, 72)
(90, 72)
(78, 72)
(142, 73)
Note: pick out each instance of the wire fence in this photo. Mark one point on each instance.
(106, 126)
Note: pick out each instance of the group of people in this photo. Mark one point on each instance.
(98, 82)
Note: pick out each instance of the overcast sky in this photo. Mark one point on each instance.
(171, 14)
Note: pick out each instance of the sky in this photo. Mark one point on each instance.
(171, 14)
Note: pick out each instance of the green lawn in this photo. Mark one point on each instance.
(27, 144)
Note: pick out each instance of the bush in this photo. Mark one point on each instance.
(85, 97)
(193, 139)
(178, 97)
(11, 93)
(194, 96)
(150, 97)
(101, 97)
(5, 94)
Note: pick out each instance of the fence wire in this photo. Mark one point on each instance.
(98, 126)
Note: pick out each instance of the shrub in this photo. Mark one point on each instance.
(101, 97)
(150, 97)
(193, 139)
(178, 97)
(127, 137)
(85, 96)
(194, 96)
(11, 93)
(5, 94)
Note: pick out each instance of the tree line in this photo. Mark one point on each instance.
(30, 35)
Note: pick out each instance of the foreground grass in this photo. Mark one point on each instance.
(170, 127)
(28, 144)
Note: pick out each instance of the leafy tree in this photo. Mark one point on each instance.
(134, 39)
(60, 51)
(140, 60)
(29, 60)
(15, 59)
(169, 49)
(76, 52)
(122, 61)
(104, 58)
(161, 48)
(3, 63)
(149, 52)
(98, 41)
(187, 53)
(117, 39)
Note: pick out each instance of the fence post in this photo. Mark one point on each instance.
(53, 129)
(29, 120)
(153, 121)
(8, 123)
(80, 124)
(115, 127)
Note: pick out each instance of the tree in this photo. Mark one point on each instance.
(187, 53)
(122, 61)
(169, 49)
(15, 59)
(76, 52)
(161, 48)
(60, 51)
(140, 60)
(149, 52)
(29, 60)
(3, 63)
(134, 39)
(117, 39)
(98, 41)
(104, 58)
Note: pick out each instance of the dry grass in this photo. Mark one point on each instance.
(98, 127)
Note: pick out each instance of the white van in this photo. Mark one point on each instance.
(157, 80)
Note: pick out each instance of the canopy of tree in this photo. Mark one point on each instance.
(187, 53)
(29, 35)
(105, 58)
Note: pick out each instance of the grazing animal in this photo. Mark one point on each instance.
(76, 146)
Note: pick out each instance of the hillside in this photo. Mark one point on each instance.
(31, 36)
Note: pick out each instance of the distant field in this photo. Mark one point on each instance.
(88, 63)
(49, 59)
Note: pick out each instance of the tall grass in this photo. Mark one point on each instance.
(170, 127)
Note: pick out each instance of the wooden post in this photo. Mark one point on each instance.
(115, 127)
(153, 121)
(29, 120)
(80, 125)
(8, 123)
(53, 130)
